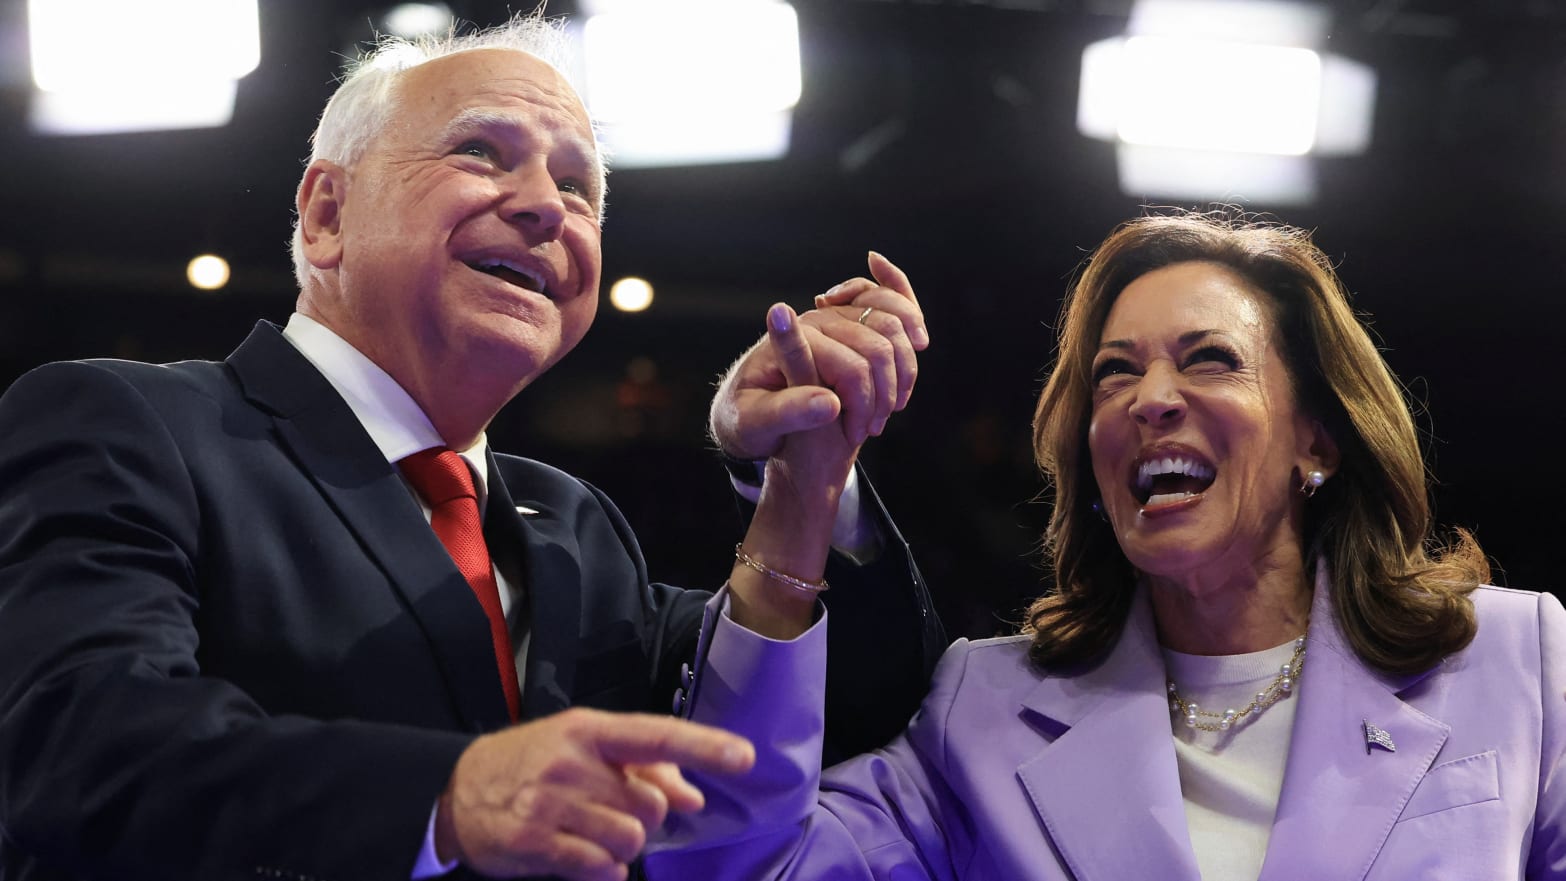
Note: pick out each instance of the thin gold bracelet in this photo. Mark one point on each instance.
(799, 584)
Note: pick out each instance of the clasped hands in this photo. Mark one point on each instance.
(852, 360)
(806, 397)
(577, 793)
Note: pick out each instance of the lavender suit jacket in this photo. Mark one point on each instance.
(1010, 773)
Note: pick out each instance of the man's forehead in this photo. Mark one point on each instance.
(490, 78)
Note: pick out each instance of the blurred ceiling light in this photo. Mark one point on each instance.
(680, 83)
(153, 64)
(410, 20)
(208, 272)
(87, 43)
(1261, 22)
(116, 107)
(1224, 99)
(1185, 93)
(1211, 174)
(631, 294)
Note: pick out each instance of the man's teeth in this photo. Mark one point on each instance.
(1171, 466)
(491, 265)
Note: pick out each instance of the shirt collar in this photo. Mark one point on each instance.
(388, 413)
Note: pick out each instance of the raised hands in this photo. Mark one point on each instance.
(575, 794)
(805, 398)
(862, 337)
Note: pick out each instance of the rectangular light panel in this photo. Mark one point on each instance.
(1208, 95)
(83, 44)
(692, 83)
(103, 66)
(735, 56)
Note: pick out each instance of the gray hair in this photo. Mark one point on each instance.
(366, 98)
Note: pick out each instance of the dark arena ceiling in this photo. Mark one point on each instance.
(941, 132)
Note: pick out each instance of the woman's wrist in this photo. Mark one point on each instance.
(778, 568)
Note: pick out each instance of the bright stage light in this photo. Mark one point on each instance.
(130, 108)
(207, 272)
(410, 20)
(694, 82)
(88, 43)
(631, 294)
(645, 62)
(1218, 96)
(1223, 99)
(112, 65)
(1265, 178)
(1259, 22)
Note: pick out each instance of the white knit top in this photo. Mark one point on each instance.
(1231, 779)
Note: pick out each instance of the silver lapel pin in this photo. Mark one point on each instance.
(1377, 736)
(525, 511)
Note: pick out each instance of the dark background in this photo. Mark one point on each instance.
(941, 133)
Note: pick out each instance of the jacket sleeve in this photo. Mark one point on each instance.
(882, 815)
(885, 639)
(118, 757)
(1548, 853)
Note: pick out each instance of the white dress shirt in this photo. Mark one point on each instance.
(399, 428)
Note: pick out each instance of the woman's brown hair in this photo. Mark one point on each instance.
(1400, 598)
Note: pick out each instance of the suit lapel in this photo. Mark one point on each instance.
(320, 430)
(1339, 800)
(1107, 789)
(552, 576)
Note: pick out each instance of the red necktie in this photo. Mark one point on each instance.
(442, 478)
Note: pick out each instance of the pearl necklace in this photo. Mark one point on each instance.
(1277, 690)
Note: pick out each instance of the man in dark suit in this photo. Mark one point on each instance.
(231, 643)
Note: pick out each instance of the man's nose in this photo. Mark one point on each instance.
(1159, 399)
(533, 202)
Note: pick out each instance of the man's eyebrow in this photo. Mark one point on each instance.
(475, 120)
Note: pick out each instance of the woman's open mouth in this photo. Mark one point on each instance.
(1165, 478)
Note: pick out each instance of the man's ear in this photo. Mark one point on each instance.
(320, 206)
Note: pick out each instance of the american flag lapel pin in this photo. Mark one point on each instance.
(1377, 736)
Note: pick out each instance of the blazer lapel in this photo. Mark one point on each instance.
(317, 426)
(551, 575)
(1340, 798)
(1107, 788)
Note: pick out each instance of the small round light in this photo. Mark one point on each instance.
(631, 294)
(207, 272)
(411, 20)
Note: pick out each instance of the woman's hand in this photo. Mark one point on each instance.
(863, 335)
(855, 373)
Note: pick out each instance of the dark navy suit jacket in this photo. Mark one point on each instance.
(232, 648)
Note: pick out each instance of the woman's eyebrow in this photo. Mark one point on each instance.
(1188, 338)
(1193, 336)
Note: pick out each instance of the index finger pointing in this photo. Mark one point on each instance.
(642, 739)
(788, 338)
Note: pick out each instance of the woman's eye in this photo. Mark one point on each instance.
(1214, 355)
(1110, 367)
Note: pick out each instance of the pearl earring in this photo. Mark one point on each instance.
(1312, 482)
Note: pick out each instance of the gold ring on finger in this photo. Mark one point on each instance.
(865, 314)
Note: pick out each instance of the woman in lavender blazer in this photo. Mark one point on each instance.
(1256, 663)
